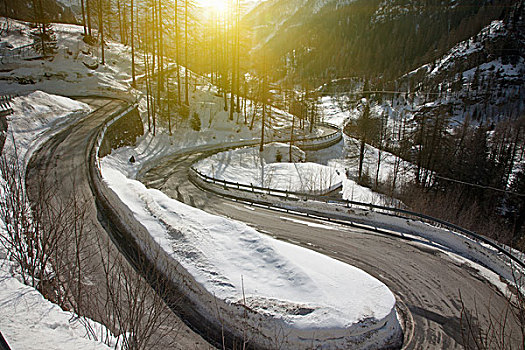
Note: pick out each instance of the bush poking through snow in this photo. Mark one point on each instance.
(184, 112)
(49, 239)
(195, 122)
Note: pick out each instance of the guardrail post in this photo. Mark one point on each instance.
(253, 189)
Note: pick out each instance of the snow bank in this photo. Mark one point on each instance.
(248, 166)
(37, 117)
(276, 292)
(67, 73)
(364, 216)
(280, 152)
(308, 297)
(27, 320)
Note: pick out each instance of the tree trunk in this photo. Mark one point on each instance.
(134, 83)
(186, 96)
(261, 147)
(361, 158)
(237, 53)
(177, 55)
(82, 5)
(291, 137)
(119, 12)
(169, 103)
(88, 12)
(101, 30)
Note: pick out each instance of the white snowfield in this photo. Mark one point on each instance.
(271, 169)
(30, 322)
(36, 117)
(293, 296)
(68, 73)
(246, 166)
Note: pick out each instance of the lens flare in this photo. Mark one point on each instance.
(214, 5)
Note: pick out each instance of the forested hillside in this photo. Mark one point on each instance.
(328, 39)
(54, 11)
(449, 86)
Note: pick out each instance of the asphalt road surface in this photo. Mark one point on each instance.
(427, 282)
(62, 164)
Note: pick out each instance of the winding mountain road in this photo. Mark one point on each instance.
(61, 163)
(427, 280)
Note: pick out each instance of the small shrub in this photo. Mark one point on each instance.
(195, 122)
(278, 157)
(184, 112)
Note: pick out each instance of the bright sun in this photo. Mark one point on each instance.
(214, 5)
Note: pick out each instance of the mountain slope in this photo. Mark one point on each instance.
(481, 78)
(326, 39)
(54, 11)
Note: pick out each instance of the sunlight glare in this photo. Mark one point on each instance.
(214, 5)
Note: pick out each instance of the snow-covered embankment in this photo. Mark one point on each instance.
(262, 290)
(27, 319)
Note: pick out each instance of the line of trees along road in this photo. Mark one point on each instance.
(469, 173)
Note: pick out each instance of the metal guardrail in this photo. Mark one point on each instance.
(397, 212)
(5, 105)
(255, 189)
(336, 134)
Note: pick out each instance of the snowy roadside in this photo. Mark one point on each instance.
(29, 321)
(35, 118)
(245, 166)
(293, 289)
(271, 169)
(288, 288)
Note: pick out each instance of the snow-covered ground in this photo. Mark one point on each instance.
(301, 291)
(271, 169)
(27, 320)
(35, 118)
(344, 157)
(61, 75)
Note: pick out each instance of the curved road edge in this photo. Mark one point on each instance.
(390, 221)
(199, 304)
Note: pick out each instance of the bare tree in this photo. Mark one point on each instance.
(52, 241)
(502, 329)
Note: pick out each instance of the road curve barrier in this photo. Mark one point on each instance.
(218, 320)
(500, 259)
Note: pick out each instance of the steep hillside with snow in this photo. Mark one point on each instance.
(327, 39)
(481, 78)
